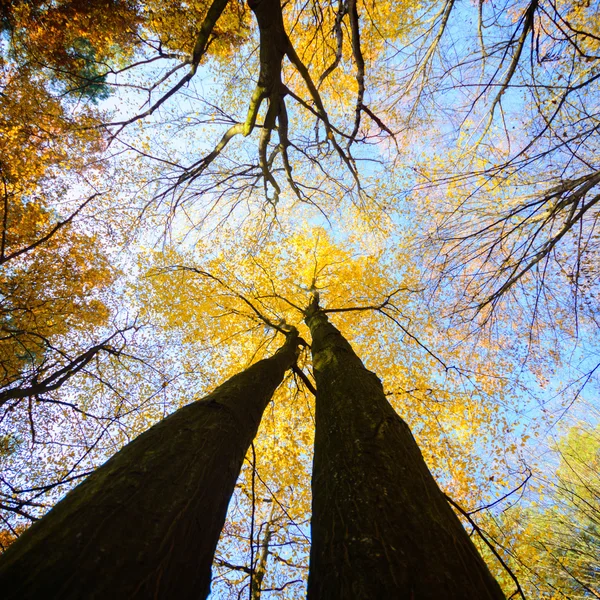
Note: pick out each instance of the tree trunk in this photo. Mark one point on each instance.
(381, 527)
(146, 523)
(260, 569)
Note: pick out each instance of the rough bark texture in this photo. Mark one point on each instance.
(146, 524)
(274, 43)
(381, 527)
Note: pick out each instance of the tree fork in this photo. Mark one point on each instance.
(147, 522)
(273, 46)
(381, 527)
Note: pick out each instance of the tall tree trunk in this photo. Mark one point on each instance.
(146, 523)
(381, 527)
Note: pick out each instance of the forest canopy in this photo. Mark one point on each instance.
(179, 179)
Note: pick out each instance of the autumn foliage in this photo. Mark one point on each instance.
(179, 179)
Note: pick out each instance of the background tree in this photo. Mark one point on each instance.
(553, 541)
(527, 79)
(58, 314)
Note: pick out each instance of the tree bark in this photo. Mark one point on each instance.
(146, 523)
(261, 564)
(381, 527)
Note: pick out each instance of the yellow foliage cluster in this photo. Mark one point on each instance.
(52, 273)
(177, 24)
(39, 139)
(49, 294)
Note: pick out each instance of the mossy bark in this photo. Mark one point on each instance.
(381, 527)
(146, 523)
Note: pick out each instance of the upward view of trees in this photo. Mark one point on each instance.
(185, 184)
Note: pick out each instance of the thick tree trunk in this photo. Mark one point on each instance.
(381, 527)
(146, 524)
